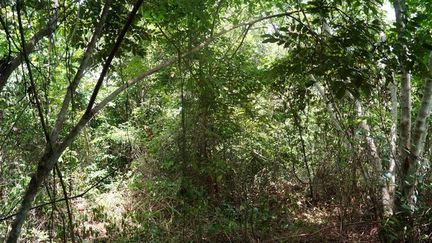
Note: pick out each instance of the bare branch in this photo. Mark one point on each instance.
(60, 199)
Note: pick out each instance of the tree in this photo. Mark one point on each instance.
(55, 146)
(228, 123)
(346, 51)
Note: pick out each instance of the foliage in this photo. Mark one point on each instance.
(263, 135)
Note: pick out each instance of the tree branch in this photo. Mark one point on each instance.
(60, 199)
(61, 117)
(11, 65)
(111, 57)
(32, 82)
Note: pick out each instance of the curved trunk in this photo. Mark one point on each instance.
(9, 65)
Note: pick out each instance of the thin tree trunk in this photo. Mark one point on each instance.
(68, 207)
(391, 176)
(405, 122)
(85, 61)
(305, 159)
(423, 114)
(373, 152)
(405, 102)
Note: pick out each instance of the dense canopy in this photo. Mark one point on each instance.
(215, 120)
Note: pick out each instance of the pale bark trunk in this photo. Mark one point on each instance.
(61, 117)
(417, 142)
(370, 142)
(420, 123)
(405, 122)
(423, 114)
(386, 197)
(405, 96)
(406, 157)
(391, 172)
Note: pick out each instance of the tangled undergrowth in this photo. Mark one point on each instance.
(150, 206)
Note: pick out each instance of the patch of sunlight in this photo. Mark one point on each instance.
(389, 12)
(314, 216)
(113, 202)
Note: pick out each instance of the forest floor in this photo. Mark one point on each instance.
(321, 223)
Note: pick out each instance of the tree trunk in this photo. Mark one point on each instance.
(405, 103)
(45, 165)
(386, 198)
(391, 173)
(417, 144)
